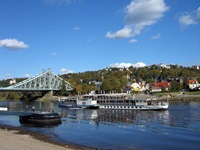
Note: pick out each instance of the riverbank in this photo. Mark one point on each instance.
(16, 138)
(181, 97)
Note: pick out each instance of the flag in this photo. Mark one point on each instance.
(169, 95)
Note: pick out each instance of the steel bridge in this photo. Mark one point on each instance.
(45, 81)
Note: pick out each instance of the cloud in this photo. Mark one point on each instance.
(127, 65)
(123, 33)
(66, 71)
(189, 18)
(13, 44)
(198, 12)
(157, 36)
(133, 41)
(27, 75)
(139, 15)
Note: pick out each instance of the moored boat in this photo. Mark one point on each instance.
(41, 118)
(3, 109)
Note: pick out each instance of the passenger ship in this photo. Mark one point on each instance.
(128, 101)
(77, 103)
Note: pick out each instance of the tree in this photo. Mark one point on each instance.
(123, 81)
(175, 86)
(13, 96)
(64, 91)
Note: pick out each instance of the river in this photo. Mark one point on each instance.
(175, 128)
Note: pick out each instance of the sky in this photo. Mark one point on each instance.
(71, 36)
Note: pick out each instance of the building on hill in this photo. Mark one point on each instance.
(158, 86)
(136, 87)
(193, 84)
(12, 81)
(156, 89)
(163, 66)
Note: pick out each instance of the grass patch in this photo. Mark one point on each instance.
(193, 93)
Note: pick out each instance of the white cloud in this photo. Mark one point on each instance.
(66, 71)
(157, 36)
(13, 44)
(127, 65)
(27, 75)
(189, 18)
(139, 15)
(198, 12)
(123, 33)
(133, 41)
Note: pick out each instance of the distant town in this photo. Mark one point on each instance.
(149, 79)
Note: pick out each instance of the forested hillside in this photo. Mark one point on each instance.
(114, 79)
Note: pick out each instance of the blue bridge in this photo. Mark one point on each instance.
(45, 81)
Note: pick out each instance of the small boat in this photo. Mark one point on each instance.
(3, 109)
(77, 103)
(41, 118)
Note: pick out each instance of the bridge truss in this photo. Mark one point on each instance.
(45, 81)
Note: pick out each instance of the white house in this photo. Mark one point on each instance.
(193, 84)
(12, 81)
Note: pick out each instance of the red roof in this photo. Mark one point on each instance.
(162, 84)
(192, 81)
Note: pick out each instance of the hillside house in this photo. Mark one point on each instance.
(156, 89)
(12, 81)
(158, 86)
(193, 84)
(136, 87)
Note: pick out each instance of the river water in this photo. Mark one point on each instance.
(175, 128)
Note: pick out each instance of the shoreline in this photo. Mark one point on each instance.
(17, 138)
(183, 97)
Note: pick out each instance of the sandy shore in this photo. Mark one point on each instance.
(14, 138)
(10, 140)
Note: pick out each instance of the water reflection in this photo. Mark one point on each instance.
(40, 125)
(20, 106)
(115, 117)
